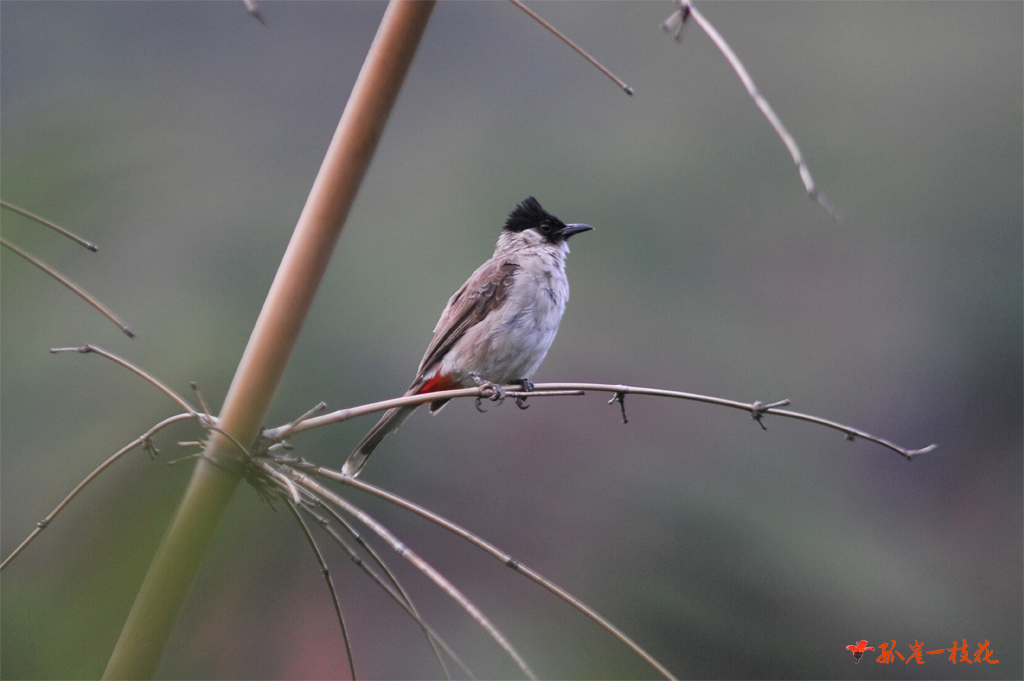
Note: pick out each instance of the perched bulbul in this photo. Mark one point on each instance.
(499, 324)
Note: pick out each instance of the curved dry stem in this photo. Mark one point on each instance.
(579, 50)
(394, 589)
(207, 421)
(88, 348)
(675, 23)
(52, 225)
(75, 288)
(501, 556)
(756, 409)
(141, 440)
(307, 423)
(307, 483)
(330, 584)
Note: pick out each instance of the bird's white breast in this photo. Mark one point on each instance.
(513, 344)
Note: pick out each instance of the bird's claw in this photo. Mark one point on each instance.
(491, 391)
(527, 386)
(495, 393)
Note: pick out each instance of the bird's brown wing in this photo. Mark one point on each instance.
(482, 293)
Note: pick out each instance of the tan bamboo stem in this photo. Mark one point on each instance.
(174, 566)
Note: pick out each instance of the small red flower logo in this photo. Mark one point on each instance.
(858, 650)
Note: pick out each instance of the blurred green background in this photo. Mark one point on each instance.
(183, 139)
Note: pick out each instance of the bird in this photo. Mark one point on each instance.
(858, 650)
(498, 326)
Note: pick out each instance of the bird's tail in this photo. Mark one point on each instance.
(388, 423)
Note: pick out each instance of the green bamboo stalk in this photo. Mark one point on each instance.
(174, 566)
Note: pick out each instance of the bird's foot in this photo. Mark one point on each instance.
(491, 391)
(527, 385)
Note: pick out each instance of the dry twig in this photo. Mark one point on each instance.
(496, 553)
(141, 440)
(756, 409)
(393, 588)
(579, 50)
(674, 24)
(52, 225)
(304, 481)
(75, 288)
(325, 571)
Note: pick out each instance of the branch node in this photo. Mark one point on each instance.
(284, 432)
(677, 20)
(620, 397)
(150, 448)
(758, 409)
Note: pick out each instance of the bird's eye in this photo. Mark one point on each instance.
(545, 227)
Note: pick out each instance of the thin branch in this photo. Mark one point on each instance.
(423, 566)
(205, 419)
(46, 223)
(625, 88)
(286, 484)
(394, 589)
(285, 431)
(674, 24)
(141, 440)
(200, 400)
(277, 434)
(75, 288)
(330, 584)
(88, 348)
(756, 409)
(853, 433)
(500, 555)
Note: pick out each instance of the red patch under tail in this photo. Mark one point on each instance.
(436, 383)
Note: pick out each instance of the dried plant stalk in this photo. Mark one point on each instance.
(174, 566)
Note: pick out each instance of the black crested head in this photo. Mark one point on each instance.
(530, 215)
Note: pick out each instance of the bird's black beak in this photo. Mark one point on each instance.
(569, 230)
